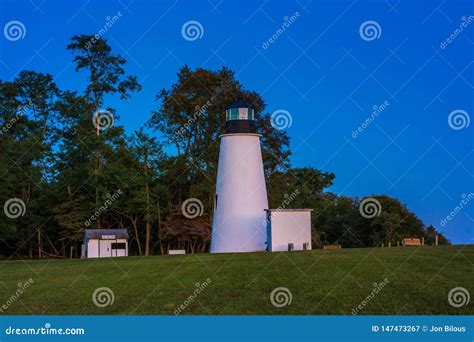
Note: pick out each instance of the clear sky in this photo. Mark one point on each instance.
(322, 68)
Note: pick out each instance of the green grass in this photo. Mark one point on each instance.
(321, 282)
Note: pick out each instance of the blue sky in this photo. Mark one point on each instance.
(319, 69)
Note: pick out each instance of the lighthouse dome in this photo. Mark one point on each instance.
(240, 118)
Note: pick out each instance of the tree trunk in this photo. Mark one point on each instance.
(134, 223)
(148, 218)
(97, 166)
(158, 214)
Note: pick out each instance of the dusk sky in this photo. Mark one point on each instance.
(323, 68)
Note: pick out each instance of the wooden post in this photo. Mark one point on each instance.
(72, 249)
(422, 241)
(39, 244)
(436, 240)
(382, 244)
(398, 243)
(390, 244)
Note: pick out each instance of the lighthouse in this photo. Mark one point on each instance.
(239, 222)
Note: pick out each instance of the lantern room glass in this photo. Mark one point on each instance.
(239, 114)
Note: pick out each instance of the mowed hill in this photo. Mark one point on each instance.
(383, 281)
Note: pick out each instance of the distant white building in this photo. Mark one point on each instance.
(288, 229)
(105, 243)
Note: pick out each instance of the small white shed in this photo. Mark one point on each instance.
(105, 243)
(288, 229)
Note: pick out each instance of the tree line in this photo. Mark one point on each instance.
(70, 166)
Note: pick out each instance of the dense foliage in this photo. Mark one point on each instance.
(73, 171)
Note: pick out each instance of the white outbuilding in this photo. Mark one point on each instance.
(105, 243)
(288, 229)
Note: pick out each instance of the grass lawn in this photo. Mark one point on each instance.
(321, 283)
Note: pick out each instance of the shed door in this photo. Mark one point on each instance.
(119, 249)
(105, 248)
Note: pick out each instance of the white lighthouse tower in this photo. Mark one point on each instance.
(239, 223)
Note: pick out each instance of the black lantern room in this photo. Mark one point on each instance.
(240, 118)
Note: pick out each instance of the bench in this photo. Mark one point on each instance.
(176, 251)
(411, 242)
(332, 247)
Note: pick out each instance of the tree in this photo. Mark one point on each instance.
(303, 186)
(148, 153)
(191, 118)
(73, 173)
(105, 70)
(106, 76)
(28, 134)
(95, 154)
(338, 221)
(430, 236)
(194, 234)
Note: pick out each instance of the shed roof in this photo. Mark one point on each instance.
(97, 233)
